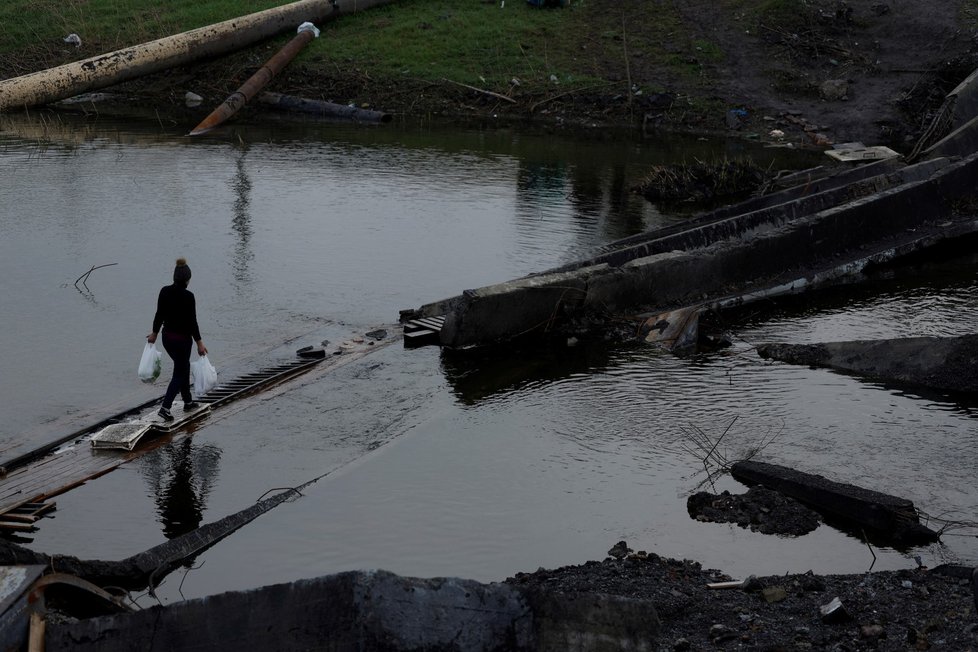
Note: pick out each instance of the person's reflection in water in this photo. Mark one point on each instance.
(181, 476)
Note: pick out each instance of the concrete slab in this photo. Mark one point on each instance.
(881, 515)
(811, 239)
(936, 363)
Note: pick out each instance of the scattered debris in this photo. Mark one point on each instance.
(377, 335)
(673, 330)
(700, 182)
(311, 352)
(834, 612)
(840, 152)
(760, 510)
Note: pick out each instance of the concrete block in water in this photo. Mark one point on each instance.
(882, 515)
(937, 363)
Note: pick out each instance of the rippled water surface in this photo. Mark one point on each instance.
(432, 464)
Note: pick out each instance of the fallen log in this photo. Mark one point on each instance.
(887, 518)
(940, 363)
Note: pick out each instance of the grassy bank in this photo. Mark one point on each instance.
(596, 61)
(491, 45)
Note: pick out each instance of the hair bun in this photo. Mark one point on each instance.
(181, 262)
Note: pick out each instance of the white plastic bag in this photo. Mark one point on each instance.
(151, 364)
(205, 375)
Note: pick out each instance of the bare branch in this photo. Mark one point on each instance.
(89, 273)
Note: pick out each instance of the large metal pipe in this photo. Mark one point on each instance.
(258, 81)
(46, 86)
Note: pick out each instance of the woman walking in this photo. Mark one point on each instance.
(176, 314)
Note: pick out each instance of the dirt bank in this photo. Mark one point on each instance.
(821, 71)
(902, 610)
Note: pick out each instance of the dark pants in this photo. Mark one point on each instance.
(178, 348)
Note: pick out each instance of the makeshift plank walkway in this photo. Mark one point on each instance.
(84, 456)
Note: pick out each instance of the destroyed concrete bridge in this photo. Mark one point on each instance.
(822, 225)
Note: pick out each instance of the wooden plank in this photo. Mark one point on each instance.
(42, 508)
(33, 509)
(39, 487)
(27, 475)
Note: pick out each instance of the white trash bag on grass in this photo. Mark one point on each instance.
(151, 364)
(205, 375)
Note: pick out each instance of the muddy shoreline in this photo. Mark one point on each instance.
(914, 609)
(829, 72)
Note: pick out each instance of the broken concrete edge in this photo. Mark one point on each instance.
(374, 610)
(929, 362)
(886, 516)
(890, 219)
(835, 274)
(960, 140)
(729, 224)
(517, 308)
(808, 185)
(965, 97)
(806, 188)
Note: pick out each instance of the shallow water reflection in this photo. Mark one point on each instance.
(476, 465)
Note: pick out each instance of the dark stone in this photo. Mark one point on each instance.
(619, 550)
(834, 612)
(311, 352)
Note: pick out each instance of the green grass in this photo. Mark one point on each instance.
(467, 41)
(475, 42)
(112, 24)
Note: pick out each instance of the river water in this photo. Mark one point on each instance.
(431, 464)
